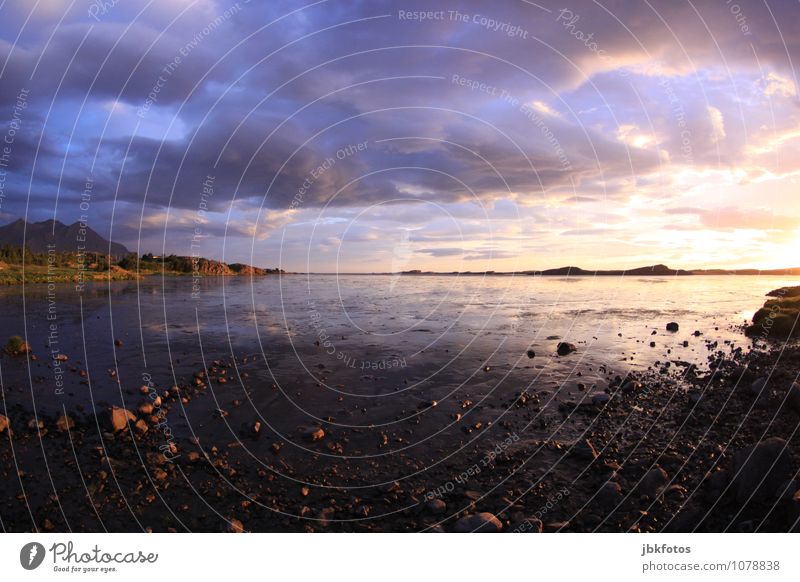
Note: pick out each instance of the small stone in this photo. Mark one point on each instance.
(313, 434)
(118, 343)
(565, 348)
(478, 523)
(5, 424)
(673, 326)
(146, 409)
(654, 482)
(531, 354)
(600, 398)
(65, 423)
(631, 386)
(235, 526)
(436, 506)
(141, 426)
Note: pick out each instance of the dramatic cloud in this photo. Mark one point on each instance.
(510, 135)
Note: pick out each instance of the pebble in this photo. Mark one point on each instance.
(65, 423)
(313, 434)
(436, 506)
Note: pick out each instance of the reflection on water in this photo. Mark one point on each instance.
(417, 334)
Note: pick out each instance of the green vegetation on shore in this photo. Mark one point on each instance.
(778, 319)
(19, 266)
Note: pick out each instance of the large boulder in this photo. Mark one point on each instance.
(761, 469)
(478, 523)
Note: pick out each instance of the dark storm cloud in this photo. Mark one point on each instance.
(265, 118)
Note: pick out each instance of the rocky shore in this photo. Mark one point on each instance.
(673, 448)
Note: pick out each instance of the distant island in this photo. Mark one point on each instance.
(53, 252)
(651, 271)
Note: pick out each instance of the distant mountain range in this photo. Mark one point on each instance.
(73, 238)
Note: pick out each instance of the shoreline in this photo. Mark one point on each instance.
(671, 448)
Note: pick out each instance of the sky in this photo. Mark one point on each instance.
(374, 136)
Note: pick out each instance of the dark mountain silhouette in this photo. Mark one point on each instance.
(67, 239)
(654, 270)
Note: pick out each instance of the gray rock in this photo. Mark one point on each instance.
(717, 482)
(565, 348)
(313, 434)
(119, 418)
(600, 398)
(654, 482)
(436, 506)
(760, 470)
(631, 386)
(483, 522)
(609, 495)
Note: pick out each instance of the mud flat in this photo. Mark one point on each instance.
(674, 447)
